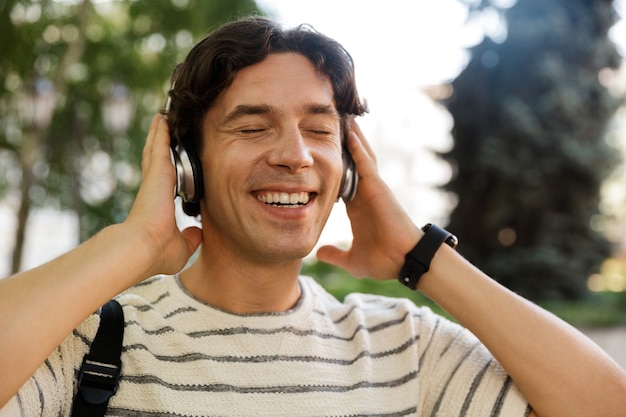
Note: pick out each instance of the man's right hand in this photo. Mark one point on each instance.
(153, 213)
(40, 307)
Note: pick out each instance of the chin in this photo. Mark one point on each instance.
(286, 253)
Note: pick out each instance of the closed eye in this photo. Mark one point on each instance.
(251, 131)
(321, 133)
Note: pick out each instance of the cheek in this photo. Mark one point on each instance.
(231, 170)
(331, 165)
(215, 171)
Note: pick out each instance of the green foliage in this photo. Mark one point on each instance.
(606, 309)
(530, 117)
(340, 283)
(87, 48)
(594, 310)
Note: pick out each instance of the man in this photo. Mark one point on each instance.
(239, 332)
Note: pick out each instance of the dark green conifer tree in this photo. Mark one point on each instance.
(530, 116)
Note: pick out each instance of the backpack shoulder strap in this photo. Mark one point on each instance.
(99, 374)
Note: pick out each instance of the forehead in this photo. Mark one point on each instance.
(282, 81)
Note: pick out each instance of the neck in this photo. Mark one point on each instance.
(243, 287)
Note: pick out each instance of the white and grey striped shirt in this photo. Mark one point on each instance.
(366, 356)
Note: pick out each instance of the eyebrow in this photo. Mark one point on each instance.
(260, 109)
(246, 110)
(318, 108)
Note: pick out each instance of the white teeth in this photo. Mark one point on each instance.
(285, 199)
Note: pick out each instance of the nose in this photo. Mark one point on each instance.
(291, 151)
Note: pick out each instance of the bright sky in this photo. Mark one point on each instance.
(386, 39)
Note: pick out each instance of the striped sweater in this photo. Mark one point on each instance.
(366, 356)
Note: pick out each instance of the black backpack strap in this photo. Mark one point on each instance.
(99, 374)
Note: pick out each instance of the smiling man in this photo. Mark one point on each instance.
(272, 153)
(265, 115)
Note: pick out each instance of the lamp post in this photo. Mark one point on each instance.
(36, 106)
(117, 114)
(117, 110)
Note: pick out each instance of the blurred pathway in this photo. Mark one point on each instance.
(612, 340)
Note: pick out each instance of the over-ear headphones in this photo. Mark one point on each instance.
(188, 175)
(350, 178)
(190, 183)
(189, 179)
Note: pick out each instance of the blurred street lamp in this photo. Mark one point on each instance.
(117, 110)
(103, 170)
(36, 107)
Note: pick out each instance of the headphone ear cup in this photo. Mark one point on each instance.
(350, 178)
(198, 178)
(189, 182)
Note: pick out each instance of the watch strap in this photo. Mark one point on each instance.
(417, 260)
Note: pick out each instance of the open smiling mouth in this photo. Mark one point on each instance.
(288, 200)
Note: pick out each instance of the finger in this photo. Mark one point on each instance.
(161, 145)
(334, 256)
(158, 151)
(365, 164)
(357, 129)
(147, 148)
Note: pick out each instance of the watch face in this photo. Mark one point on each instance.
(417, 260)
(451, 240)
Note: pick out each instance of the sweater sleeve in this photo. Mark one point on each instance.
(50, 390)
(460, 377)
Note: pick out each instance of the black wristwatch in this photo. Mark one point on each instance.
(417, 261)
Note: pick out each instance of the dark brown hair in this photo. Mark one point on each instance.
(213, 63)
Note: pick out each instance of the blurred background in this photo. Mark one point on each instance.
(503, 120)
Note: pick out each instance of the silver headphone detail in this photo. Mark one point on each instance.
(185, 182)
(349, 179)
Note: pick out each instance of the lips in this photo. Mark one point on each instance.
(284, 199)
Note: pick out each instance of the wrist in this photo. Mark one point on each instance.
(417, 261)
(133, 245)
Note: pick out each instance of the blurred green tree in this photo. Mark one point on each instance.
(530, 114)
(91, 53)
(340, 284)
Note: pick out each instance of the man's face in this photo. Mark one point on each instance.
(272, 160)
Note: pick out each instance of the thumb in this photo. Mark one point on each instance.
(334, 256)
